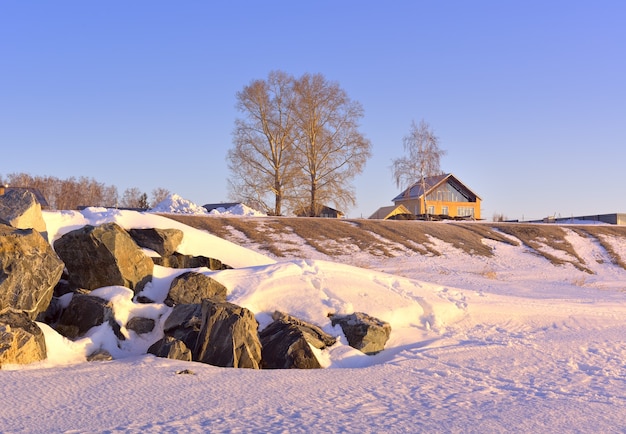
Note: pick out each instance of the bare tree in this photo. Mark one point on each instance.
(422, 160)
(134, 198)
(159, 194)
(330, 148)
(262, 161)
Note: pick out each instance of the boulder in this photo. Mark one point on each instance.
(184, 323)
(104, 255)
(140, 325)
(163, 241)
(20, 209)
(83, 313)
(192, 287)
(313, 334)
(178, 260)
(29, 270)
(284, 346)
(228, 336)
(21, 339)
(363, 332)
(170, 348)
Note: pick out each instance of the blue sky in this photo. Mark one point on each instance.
(528, 98)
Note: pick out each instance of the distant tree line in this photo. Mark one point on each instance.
(72, 193)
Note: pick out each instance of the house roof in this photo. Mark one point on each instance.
(225, 205)
(386, 212)
(416, 191)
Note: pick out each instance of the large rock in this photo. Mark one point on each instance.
(178, 260)
(21, 339)
(104, 255)
(163, 241)
(313, 334)
(284, 346)
(29, 270)
(170, 348)
(184, 323)
(192, 287)
(22, 211)
(228, 336)
(83, 313)
(363, 332)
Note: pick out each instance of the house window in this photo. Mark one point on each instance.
(431, 209)
(465, 211)
(444, 210)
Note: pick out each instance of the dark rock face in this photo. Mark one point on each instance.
(184, 323)
(192, 287)
(313, 334)
(21, 210)
(170, 348)
(29, 270)
(83, 313)
(228, 336)
(163, 241)
(21, 339)
(104, 256)
(140, 325)
(178, 260)
(285, 347)
(363, 332)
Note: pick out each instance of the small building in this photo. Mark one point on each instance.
(393, 212)
(324, 211)
(611, 219)
(225, 205)
(446, 197)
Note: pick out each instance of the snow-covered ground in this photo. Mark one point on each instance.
(504, 344)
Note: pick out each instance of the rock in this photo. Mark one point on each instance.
(83, 313)
(313, 334)
(170, 348)
(363, 332)
(29, 270)
(228, 336)
(284, 346)
(104, 256)
(21, 339)
(192, 287)
(163, 241)
(140, 325)
(184, 323)
(100, 356)
(178, 260)
(22, 211)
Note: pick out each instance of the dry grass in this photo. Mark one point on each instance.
(601, 233)
(387, 238)
(536, 236)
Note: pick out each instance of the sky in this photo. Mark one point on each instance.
(522, 346)
(528, 98)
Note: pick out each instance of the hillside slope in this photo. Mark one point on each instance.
(294, 237)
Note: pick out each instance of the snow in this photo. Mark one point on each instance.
(174, 204)
(509, 343)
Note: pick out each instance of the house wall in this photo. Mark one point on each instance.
(416, 206)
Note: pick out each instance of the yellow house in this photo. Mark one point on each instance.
(446, 196)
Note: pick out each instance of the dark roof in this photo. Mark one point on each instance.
(225, 205)
(415, 191)
(324, 210)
